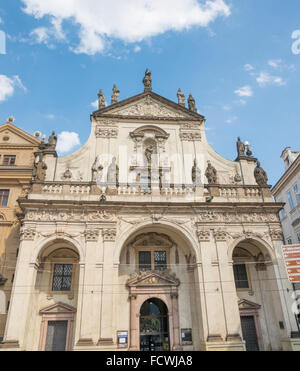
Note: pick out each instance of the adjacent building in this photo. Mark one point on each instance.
(287, 190)
(17, 150)
(147, 239)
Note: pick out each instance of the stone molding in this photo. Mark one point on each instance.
(104, 132)
(27, 234)
(276, 235)
(234, 217)
(69, 215)
(190, 136)
(203, 235)
(109, 234)
(91, 235)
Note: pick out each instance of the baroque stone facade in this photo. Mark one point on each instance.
(145, 231)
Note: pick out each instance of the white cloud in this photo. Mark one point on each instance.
(8, 85)
(130, 21)
(95, 104)
(137, 49)
(50, 116)
(275, 63)
(245, 91)
(66, 141)
(265, 78)
(249, 67)
(231, 120)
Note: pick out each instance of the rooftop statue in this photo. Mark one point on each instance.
(101, 100)
(115, 95)
(52, 141)
(192, 103)
(147, 81)
(260, 175)
(211, 173)
(181, 98)
(240, 148)
(196, 174)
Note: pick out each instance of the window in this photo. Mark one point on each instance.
(282, 212)
(4, 197)
(160, 260)
(240, 276)
(289, 241)
(297, 194)
(9, 160)
(291, 201)
(145, 260)
(62, 277)
(156, 260)
(298, 236)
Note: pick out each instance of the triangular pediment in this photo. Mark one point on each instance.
(152, 278)
(11, 135)
(58, 308)
(246, 304)
(148, 105)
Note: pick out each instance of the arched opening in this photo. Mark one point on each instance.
(154, 326)
(57, 284)
(259, 296)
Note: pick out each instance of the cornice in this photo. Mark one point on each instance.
(287, 176)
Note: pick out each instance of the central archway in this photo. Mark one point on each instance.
(154, 326)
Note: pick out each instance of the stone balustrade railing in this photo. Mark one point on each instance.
(143, 190)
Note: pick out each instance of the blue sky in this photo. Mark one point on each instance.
(235, 57)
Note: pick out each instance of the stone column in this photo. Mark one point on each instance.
(176, 325)
(134, 324)
(106, 329)
(228, 290)
(21, 297)
(209, 285)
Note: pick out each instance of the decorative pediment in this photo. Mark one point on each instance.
(152, 240)
(246, 305)
(153, 278)
(148, 105)
(58, 308)
(11, 135)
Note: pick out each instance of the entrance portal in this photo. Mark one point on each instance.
(154, 326)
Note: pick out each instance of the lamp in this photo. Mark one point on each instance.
(248, 149)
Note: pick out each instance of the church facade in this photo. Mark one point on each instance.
(147, 239)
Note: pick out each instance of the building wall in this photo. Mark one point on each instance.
(13, 178)
(101, 223)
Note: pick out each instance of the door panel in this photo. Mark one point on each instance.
(249, 333)
(56, 336)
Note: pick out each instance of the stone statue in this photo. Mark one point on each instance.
(240, 148)
(260, 175)
(113, 173)
(52, 141)
(148, 153)
(211, 173)
(192, 103)
(196, 174)
(67, 175)
(96, 169)
(115, 95)
(39, 171)
(181, 98)
(101, 100)
(147, 81)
